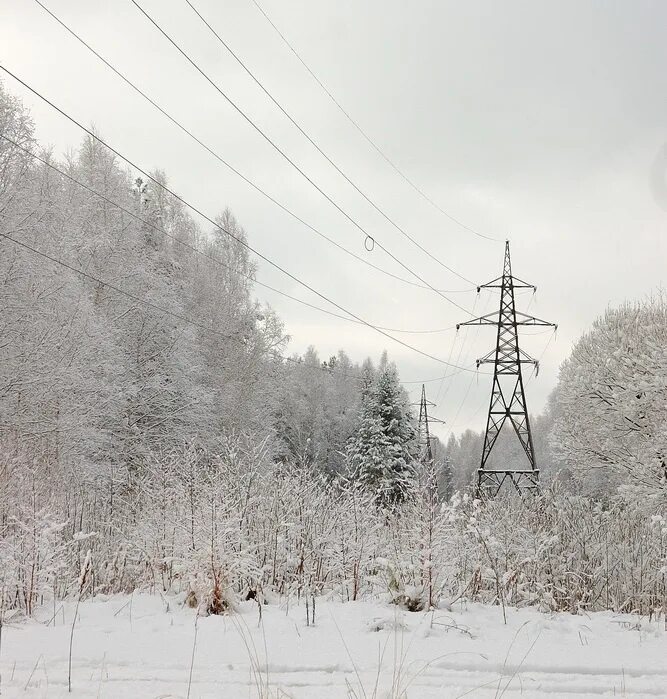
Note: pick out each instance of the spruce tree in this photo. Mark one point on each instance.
(382, 452)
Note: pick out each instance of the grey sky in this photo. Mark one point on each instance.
(544, 122)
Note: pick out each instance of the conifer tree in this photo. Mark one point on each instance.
(382, 452)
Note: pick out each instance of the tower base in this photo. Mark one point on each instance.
(490, 482)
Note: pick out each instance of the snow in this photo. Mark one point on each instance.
(141, 646)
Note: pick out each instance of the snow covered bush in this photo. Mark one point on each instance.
(560, 552)
(216, 526)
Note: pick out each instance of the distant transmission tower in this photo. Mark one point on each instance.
(423, 430)
(428, 472)
(508, 400)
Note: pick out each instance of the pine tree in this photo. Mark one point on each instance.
(382, 453)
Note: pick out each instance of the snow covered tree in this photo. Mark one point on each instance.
(316, 410)
(15, 124)
(382, 453)
(611, 401)
(463, 453)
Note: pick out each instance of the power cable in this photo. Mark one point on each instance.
(368, 138)
(279, 150)
(196, 250)
(149, 304)
(228, 165)
(533, 373)
(468, 336)
(219, 227)
(353, 184)
(115, 288)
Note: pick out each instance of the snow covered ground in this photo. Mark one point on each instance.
(142, 647)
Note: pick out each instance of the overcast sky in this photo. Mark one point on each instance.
(544, 122)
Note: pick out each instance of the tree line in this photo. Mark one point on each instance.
(92, 380)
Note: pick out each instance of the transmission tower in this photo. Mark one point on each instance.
(508, 400)
(428, 473)
(423, 431)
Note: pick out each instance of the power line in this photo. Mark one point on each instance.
(461, 404)
(201, 252)
(552, 337)
(472, 378)
(451, 374)
(319, 149)
(149, 304)
(142, 301)
(289, 160)
(446, 376)
(367, 137)
(442, 379)
(228, 165)
(458, 358)
(467, 337)
(115, 288)
(219, 227)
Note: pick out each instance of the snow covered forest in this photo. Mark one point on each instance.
(143, 450)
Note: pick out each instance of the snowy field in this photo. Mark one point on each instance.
(142, 647)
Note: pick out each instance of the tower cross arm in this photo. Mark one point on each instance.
(493, 284)
(492, 358)
(488, 319)
(509, 281)
(524, 319)
(436, 419)
(486, 359)
(520, 284)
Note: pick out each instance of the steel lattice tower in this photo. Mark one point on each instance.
(508, 399)
(423, 430)
(423, 433)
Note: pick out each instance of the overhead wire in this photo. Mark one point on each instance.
(467, 336)
(142, 301)
(461, 404)
(114, 287)
(198, 251)
(472, 377)
(367, 137)
(149, 304)
(279, 150)
(233, 169)
(433, 380)
(533, 374)
(221, 228)
(442, 379)
(312, 141)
